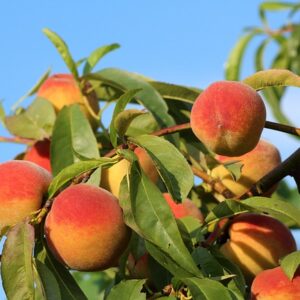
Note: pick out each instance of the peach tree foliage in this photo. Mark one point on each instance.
(184, 254)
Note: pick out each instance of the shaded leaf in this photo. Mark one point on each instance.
(290, 264)
(47, 282)
(63, 50)
(35, 123)
(176, 172)
(16, 262)
(128, 290)
(96, 55)
(72, 138)
(142, 124)
(207, 289)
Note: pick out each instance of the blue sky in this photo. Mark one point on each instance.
(184, 42)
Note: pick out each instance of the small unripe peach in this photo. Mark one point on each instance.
(85, 228)
(112, 177)
(228, 117)
(185, 209)
(257, 242)
(273, 284)
(139, 268)
(256, 164)
(62, 89)
(39, 153)
(22, 187)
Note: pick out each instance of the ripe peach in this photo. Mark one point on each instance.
(273, 284)
(112, 177)
(85, 228)
(184, 209)
(256, 163)
(228, 117)
(257, 242)
(39, 153)
(22, 187)
(62, 89)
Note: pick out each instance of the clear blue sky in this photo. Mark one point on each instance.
(184, 42)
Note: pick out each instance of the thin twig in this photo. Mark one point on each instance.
(283, 128)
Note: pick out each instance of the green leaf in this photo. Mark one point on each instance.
(290, 264)
(142, 124)
(272, 77)
(35, 123)
(2, 113)
(63, 50)
(69, 289)
(47, 282)
(207, 289)
(147, 212)
(72, 137)
(148, 96)
(171, 91)
(128, 290)
(120, 106)
(124, 119)
(176, 172)
(275, 208)
(16, 262)
(233, 64)
(96, 55)
(235, 169)
(33, 90)
(68, 173)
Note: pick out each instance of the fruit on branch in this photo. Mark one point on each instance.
(85, 228)
(228, 117)
(256, 164)
(62, 89)
(39, 153)
(22, 187)
(257, 242)
(184, 209)
(138, 268)
(273, 284)
(112, 177)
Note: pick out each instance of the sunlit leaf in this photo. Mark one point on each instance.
(290, 264)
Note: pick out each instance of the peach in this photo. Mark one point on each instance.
(184, 209)
(228, 117)
(257, 242)
(39, 153)
(256, 163)
(112, 177)
(62, 89)
(22, 187)
(273, 284)
(139, 268)
(85, 228)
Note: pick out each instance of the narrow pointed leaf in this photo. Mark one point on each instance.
(96, 55)
(72, 135)
(290, 264)
(63, 50)
(16, 262)
(176, 172)
(147, 212)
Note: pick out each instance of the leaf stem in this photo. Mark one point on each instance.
(17, 140)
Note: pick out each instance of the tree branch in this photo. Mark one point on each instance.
(283, 128)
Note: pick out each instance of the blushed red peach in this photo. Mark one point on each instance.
(256, 163)
(184, 209)
(228, 117)
(273, 284)
(257, 242)
(62, 89)
(22, 187)
(112, 177)
(85, 228)
(39, 153)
